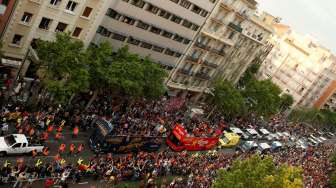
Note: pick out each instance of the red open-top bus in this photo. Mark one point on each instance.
(180, 140)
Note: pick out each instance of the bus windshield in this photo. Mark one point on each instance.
(174, 140)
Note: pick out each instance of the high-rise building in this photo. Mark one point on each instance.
(161, 29)
(228, 43)
(33, 19)
(6, 10)
(298, 65)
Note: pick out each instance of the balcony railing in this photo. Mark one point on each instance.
(186, 72)
(236, 27)
(192, 59)
(203, 76)
(209, 64)
(219, 52)
(202, 46)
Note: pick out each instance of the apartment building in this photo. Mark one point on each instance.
(6, 9)
(225, 46)
(160, 29)
(33, 19)
(298, 65)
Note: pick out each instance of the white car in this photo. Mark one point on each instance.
(252, 133)
(263, 147)
(17, 144)
(264, 132)
(239, 132)
(248, 146)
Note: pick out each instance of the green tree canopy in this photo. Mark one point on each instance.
(259, 173)
(314, 116)
(227, 99)
(263, 96)
(287, 101)
(63, 66)
(249, 75)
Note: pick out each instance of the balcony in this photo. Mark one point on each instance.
(203, 76)
(209, 64)
(242, 15)
(192, 59)
(202, 46)
(217, 21)
(236, 27)
(219, 52)
(226, 6)
(185, 72)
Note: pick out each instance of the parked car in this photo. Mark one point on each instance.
(248, 146)
(263, 147)
(239, 132)
(264, 132)
(252, 133)
(276, 145)
(17, 144)
(301, 143)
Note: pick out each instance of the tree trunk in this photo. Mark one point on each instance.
(94, 96)
(211, 112)
(71, 98)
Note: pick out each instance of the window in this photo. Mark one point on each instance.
(113, 14)
(158, 49)
(142, 25)
(186, 4)
(71, 6)
(155, 30)
(146, 45)
(152, 9)
(232, 34)
(61, 27)
(55, 2)
(133, 41)
(77, 32)
(138, 3)
(17, 39)
(45, 23)
(128, 20)
(195, 27)
(119, 37)
(164, 14)
(176, 19)
(5, 2)
(26, 17)
(186, 41)
(187, 24)
(17, 145)
(103, 31)
(178, 38)
(175, 1)
(204, 13)
(167, 34)
(87, 12)
(196, 9)
(177, 54)
(169, 52)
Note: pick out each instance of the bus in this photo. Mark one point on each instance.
(103, 140)
(179, 140)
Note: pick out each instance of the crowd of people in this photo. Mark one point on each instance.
(149, 118)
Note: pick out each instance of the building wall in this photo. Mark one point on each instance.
(39, 9)
(297, 65)
(6, 11)
(148, 29)
(226, 46)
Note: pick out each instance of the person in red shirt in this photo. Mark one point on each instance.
(75, 132)
(72, 149)
(48, 183)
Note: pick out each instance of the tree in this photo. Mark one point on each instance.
(259, 173)
(63, 66)
(154, 77)
(263, 96)
(135, 77)
(311, 116)
(99, 67)
(249, 75)
(227, 99)
(287, 101)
